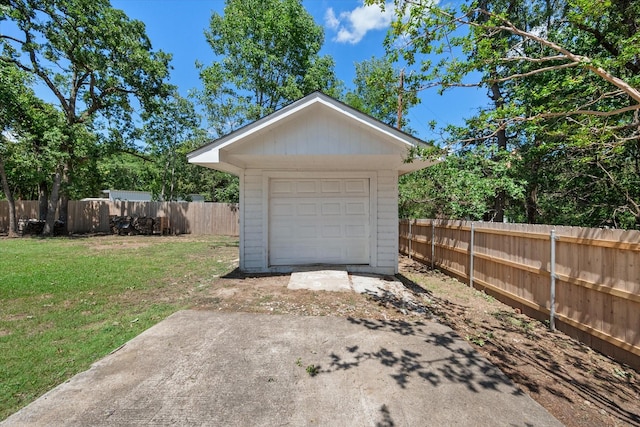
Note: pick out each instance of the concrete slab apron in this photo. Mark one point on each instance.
(238, 369)
(341, 281)
(320, 280)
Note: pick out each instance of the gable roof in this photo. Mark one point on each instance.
(325, 116)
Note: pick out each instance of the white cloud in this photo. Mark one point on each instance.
(330, 19)
(352, 26)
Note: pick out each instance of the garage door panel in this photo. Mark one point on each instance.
(357, 252)
(282, 187)
(331, 231)
(331, 208)
(306, 187)
(306, 231)
(357, 208)
(282, 209)
(307, 209)
(353, 231)
(285, 253)
(331, 186)
(315, 221)
(356, 186)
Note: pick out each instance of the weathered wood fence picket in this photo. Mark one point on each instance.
(583, 281)
(182, 217)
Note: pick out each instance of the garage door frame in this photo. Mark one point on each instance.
(372, 176)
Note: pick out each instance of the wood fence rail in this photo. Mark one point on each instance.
(584, 281)
(93, 216)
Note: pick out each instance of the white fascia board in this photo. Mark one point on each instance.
(416, 165)
(251, 128)
(222, 167)
(211, 155)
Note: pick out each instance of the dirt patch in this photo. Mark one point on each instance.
(577, 385)
(111, 242)
(119, 245)
(116, 242)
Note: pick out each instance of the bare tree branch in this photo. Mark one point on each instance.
(534, 72)
(588, 63)
(534, 60)
(583, 112)
(4, 36)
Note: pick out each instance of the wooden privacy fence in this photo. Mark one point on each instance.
(584, 281)
(182, 217)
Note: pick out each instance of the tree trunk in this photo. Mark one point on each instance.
(53, 203)
(173, 174)
(533, 185)
(532, 204)
(63, 215)
(12, 204)
(42, 200)
(500, 198)
(163, 191)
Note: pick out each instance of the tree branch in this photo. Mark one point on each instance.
(534, 60)
(622, 190)
(604, 74)
(17, 64)
(4, 36)
(610, 47)
(534, 72)
(36, 69)
(584, 112)
(138, 155)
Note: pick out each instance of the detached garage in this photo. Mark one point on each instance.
(318, 186)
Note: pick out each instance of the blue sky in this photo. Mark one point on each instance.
(353, 33)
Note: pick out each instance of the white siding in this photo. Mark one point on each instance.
(387, 234)
(253, 227)
(317, 132)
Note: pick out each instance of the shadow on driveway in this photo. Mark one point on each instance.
(238, 369)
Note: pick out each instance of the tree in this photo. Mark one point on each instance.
(462, 186)
(266, 56)
(563, 76)
(12, 90)
(123, 170)
(93, 59)
(164, 132)
(382, 91)
(29, 137)
(216, 186)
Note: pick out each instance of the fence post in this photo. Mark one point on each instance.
(552, 268)
(433, 242)
(410, 237)
(471, 246)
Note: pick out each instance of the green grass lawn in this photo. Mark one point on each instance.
(65, 303)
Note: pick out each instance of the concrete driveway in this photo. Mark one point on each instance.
(238, 369)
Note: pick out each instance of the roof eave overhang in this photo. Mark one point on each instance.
(215, 155)
(222, 167)
(416, 165)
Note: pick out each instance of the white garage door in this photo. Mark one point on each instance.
(318, 221)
